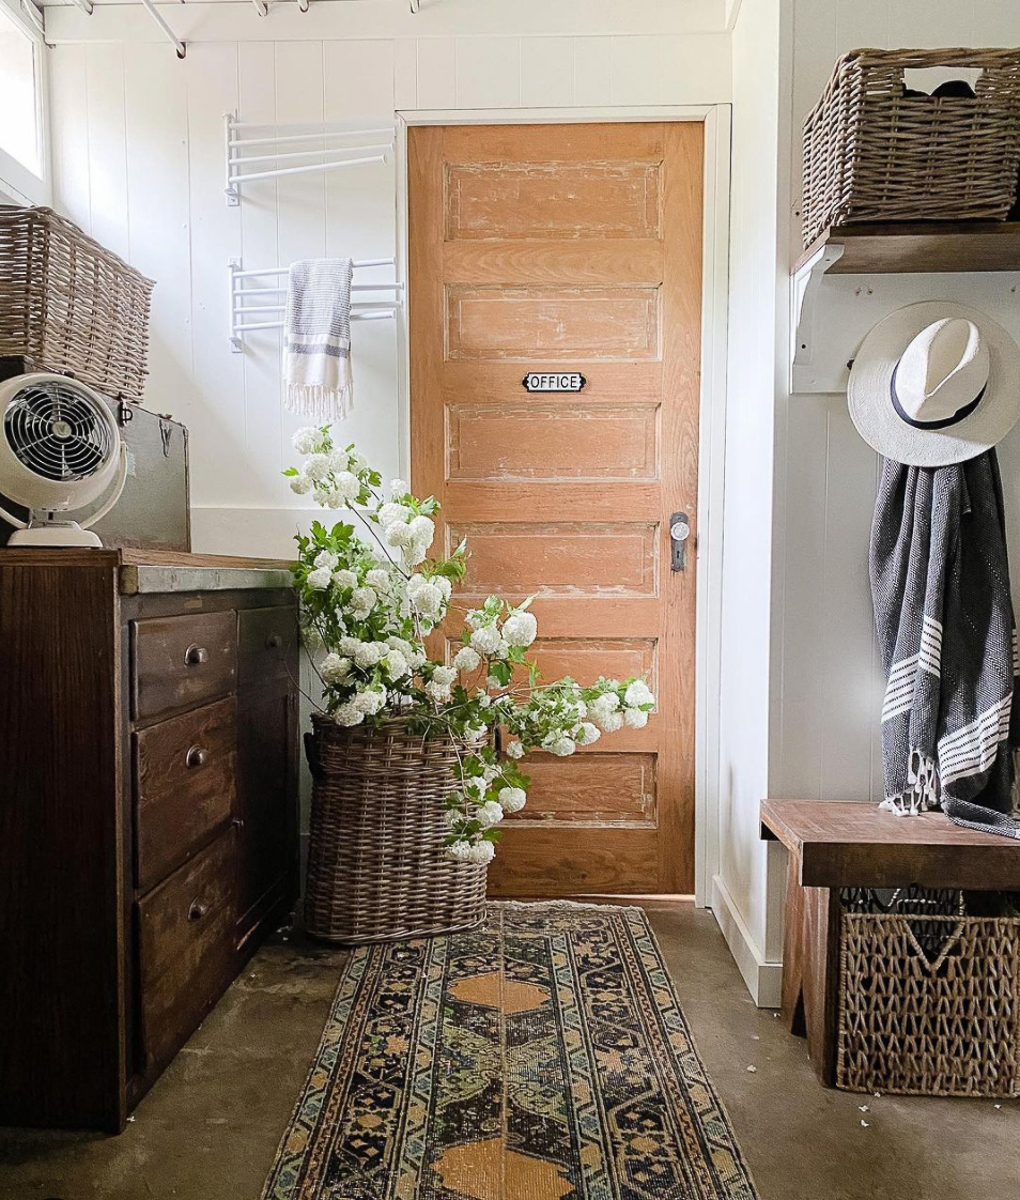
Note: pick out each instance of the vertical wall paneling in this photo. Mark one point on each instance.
(158, 208)
(257, 87)
(488, 72)
(405, 73)
(214, 406)
(437, 73)
(547, 72)
(637, 70)
(69, 126)
(107, 143)
(360, 81)
(593, 70)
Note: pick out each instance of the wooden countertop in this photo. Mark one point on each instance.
(161, 570)
(856, 844)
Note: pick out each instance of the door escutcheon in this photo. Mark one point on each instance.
(679, 532)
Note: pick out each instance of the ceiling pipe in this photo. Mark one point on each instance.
(172, 37)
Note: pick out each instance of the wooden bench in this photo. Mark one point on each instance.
(837, 844)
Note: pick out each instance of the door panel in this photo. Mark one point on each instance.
(577, 248)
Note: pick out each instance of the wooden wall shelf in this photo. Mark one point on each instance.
(905, 247)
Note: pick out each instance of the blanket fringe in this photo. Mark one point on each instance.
(924, 789)
(323, 405)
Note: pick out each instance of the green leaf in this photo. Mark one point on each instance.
(291, 471)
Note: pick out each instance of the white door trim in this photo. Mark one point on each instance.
(712, 429)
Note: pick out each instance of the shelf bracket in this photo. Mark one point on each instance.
(804, 297)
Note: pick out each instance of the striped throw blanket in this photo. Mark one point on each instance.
(940, 583)
(317, 339)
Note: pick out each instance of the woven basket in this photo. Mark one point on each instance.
(377, 868)
(70, 305)
(873, 154)
(947, 1026)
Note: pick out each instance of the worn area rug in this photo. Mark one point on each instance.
(540, 1056)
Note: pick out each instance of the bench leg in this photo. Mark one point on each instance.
(811, 969)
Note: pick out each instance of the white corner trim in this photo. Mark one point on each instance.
(764, 979)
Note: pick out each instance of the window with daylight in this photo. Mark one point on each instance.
(21, 156)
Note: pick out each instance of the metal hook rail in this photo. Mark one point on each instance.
(247, 296)
(371, 144)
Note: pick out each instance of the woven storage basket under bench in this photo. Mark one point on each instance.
(873, 152)
(903, 993)
(70, 305)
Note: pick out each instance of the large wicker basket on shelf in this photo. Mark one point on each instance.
(377, 869)
(940, 1019)
(872, 153)
(71, 305)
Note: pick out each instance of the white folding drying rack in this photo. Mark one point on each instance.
(248, 296)
(339, 147)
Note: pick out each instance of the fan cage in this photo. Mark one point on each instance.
(58, 432)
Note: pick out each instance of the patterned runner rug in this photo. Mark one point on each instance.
(541, 1056)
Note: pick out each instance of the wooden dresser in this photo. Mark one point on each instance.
(148, 812)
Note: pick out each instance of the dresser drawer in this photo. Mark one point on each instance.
(186, 947)
(185, 785)
(182, 661)
(266, 644)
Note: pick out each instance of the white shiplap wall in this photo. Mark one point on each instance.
(826, 665)
(138, 162)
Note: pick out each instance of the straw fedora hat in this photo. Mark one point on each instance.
(935, 384)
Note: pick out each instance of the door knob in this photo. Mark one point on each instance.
(679, 532)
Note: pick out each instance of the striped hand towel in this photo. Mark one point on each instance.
(940, 581)
(317, 339)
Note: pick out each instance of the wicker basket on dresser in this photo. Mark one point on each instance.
(148, 812)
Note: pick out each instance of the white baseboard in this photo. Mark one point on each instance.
(764, 979)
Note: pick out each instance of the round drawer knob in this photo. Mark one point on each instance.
(195, 655)
(197, 910)
(196, 757)
(274, 642)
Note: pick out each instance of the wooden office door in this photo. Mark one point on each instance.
(539, 248)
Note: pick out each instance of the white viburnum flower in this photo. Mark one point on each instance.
(307, 440)
(326, 558)
(379, 578)
(611, 722)
(389, 514)
(423, 530)
(395, 665)
(635, 718)
(461, 850)
(481, 853)
(363, 600)
(317, 467)
(370, 701)
(345, 578)
(398, 487)
(397, 535)
(368, 654)
(444, 676)
(319, 578)
(512, 798)
(335, 669)
(339, 460)
(515, 750)
(301, 485)
(560, 745)
(588, 733)
(603, 707)
(348, 714)
(425, 598)
(474, 789)
(466, 659)
(350, 646)
(520, 628)
(311, 637)
(346, 486)
(638, 693)
(488, 814)
(437, 691)
(486, 640)
(475, 618)
(475, 733)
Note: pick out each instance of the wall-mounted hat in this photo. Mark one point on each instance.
(935, 384)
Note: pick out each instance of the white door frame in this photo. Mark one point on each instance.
(712, 419)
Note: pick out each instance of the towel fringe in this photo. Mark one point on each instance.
(322, 404)
(924, 790)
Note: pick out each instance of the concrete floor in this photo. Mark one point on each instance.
(209, 1129)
